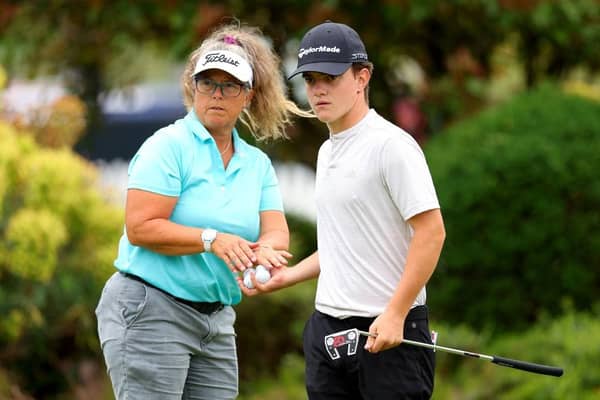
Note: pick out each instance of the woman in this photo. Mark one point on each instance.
(202, 205)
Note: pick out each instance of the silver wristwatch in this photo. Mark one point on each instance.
(208, 236)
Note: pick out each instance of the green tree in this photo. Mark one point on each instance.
(454, 42)
(94, 45)
(555, 36)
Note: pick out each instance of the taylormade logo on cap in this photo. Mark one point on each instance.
(326, 49)
(331, 49)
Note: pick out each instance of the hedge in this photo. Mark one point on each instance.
(520, 195)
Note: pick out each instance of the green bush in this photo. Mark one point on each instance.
(571, 342)
(58, 239)
(520, 195)
(32, 254)
(287, 383)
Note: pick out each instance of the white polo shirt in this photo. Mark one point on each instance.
(370, 180)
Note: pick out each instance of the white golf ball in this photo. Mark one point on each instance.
(248, 278)
(262, 274)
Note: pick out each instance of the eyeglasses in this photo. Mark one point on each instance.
(228, 89)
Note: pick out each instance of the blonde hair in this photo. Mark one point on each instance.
(270, 110)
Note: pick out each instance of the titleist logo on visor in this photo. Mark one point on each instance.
(320, 49)
(219, 57)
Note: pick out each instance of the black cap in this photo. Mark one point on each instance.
(330, 48)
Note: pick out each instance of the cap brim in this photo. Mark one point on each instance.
(329, 68)
(241, 76)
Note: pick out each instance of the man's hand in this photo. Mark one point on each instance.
(279, 280)
(387, 331)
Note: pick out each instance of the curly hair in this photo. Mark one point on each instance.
(270, 110)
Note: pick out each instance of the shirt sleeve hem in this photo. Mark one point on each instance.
(420, 208)
(154, 189)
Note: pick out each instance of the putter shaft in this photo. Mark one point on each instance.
(505, 362)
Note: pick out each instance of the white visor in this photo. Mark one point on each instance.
(226, 61)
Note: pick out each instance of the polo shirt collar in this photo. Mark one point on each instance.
(193, 123)
(353, 130)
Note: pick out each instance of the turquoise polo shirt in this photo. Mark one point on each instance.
(182, 160)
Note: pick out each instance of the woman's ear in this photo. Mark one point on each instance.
(249, 97)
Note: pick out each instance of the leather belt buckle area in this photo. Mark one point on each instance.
(200, 306)
(203, 307)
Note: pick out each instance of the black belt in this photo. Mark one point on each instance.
(200, 306)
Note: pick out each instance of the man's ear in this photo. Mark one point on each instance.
(364, 77)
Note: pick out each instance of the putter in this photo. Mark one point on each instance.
(502, 361)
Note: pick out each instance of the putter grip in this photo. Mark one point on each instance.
(527, 366)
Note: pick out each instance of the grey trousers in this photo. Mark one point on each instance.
(157, 348)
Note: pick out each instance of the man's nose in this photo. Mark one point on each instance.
(319, 88)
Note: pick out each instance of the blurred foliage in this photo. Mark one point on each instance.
(3, 77)
(571, 342)
(32, 254)
(56, 125)
(80, 39)
(551, 33)
(520, 194)
(98, 45)
(303, 237)
(286, 384)
(57, 244)
(583, 83)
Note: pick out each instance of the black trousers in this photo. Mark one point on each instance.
(340, 368)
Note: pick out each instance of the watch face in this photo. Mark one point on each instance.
(209, 235)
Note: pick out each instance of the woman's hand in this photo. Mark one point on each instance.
(237, 253)
(271, 258)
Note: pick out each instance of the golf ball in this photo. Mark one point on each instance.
(247, 278)
(262, 274)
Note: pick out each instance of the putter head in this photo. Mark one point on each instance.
(333, 342)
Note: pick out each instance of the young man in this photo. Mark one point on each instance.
(380, 234)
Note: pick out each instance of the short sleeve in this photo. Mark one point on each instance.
(408, 180)
(156, 167)
(270, 198)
